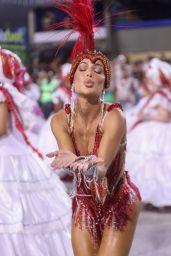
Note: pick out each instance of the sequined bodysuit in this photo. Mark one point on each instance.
(106, 202)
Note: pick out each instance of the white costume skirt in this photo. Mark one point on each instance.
(149, 161)
(46, 141)
(35, 210)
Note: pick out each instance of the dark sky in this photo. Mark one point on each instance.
(145, 9)
(149, 10)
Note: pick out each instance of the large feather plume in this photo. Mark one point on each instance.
(81, 20)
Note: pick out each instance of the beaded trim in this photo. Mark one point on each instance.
(93, 56)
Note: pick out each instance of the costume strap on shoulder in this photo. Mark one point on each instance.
(114, 105)
(165, 95)
(68, 112)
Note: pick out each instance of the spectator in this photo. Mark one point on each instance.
(48, 86)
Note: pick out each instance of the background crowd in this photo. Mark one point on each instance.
(50, 88)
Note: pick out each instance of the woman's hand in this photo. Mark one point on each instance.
(83, 164)
(66, 159)
(143, 117)
(63, 158)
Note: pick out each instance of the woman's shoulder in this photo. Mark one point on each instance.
(115, 116)
(114, 110)
(115, 105)
(59, 122)
(59, 116)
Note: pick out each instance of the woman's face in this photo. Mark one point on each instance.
(89, 79)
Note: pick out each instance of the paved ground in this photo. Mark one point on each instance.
(153, 235)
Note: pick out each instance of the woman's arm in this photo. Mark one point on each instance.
(114, 128)
(163, 115)
(3, 118)
(60, 129)
(66, 153)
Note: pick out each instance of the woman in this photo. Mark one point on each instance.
(148, 156)
(105, 210)
(91, 137)
(34, 207)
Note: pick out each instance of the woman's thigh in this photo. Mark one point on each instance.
(118, 243)
(82, 242)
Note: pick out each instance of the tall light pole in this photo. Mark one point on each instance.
(111, 42)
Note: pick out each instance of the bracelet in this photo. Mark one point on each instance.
(86, 158)
(89, 157)
(91, 171)
(79, 158)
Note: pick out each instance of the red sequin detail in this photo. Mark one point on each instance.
(93, 215)
(67, 109)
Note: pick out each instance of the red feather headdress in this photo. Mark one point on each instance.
(81, 14)
(81, 21)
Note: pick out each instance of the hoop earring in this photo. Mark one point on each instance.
(73, 103)
(102, 97)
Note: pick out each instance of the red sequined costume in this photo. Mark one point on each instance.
(106, 202)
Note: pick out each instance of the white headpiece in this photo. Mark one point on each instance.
(159, 71)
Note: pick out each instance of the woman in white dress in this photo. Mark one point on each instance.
(34, 207)
(149, 137)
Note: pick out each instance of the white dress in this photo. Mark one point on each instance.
(33, 124)
(148, 156)
(35, 210)
(46, 141)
